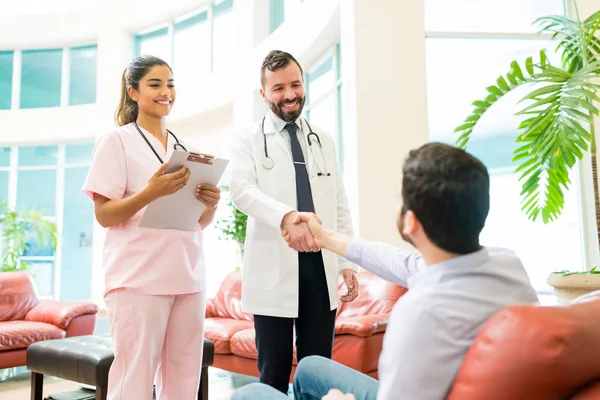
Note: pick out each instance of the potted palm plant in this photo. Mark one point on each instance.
(15, 228)
(557, 128)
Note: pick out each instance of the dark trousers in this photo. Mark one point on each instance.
(315, 326)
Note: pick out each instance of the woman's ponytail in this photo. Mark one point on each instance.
(128, 109)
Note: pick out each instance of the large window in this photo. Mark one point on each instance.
(280, 10)
(323, 93)
(200, 42)
(48, 77)
(6, 73)
(41, 77)
(154, 43)
(466, 52)
(191, 33)
(83, 66)
(49, 178)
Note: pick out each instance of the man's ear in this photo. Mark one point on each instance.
(263, 94)
(411, 223)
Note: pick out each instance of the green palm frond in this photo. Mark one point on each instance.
(504, 85)
(553, 138)
(572, 37)
(559, 111)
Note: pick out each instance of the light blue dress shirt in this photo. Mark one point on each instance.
(433, 325)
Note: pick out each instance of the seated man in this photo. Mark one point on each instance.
(455, 285)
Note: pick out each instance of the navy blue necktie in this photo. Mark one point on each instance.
(303, 192)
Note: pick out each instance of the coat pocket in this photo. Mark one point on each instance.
(261, 264)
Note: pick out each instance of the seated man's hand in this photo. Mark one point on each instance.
(335, 394)
(297, 233)
(314, 224)
(352, 285)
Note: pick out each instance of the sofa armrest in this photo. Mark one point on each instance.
(60, 313)
(362, 325)
(211, 311)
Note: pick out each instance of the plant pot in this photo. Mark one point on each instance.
(571, 286)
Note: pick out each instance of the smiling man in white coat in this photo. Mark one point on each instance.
(282, 165)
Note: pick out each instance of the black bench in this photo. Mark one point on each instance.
(87, 359)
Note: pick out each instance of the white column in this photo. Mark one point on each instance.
(115, 50)
(385, 110)
(252, 27)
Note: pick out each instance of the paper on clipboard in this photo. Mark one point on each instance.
(181, 210)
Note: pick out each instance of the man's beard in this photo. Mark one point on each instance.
(287, 116)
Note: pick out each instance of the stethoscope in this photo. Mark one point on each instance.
(176, 146)
(268, 163)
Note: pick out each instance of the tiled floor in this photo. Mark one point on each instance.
(221, 386)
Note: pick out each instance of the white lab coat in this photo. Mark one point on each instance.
(270, 267)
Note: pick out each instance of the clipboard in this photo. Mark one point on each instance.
(182, 210)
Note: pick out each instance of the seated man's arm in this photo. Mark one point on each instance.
(389, 262)
(420, 358)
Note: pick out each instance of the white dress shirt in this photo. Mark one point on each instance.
(433, 325)
(280, 126)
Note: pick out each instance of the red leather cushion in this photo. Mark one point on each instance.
(533, 352)
(227, 303)
(20, 334)
(220, 330)
(17, 295)
(375, 296)
(591, 392)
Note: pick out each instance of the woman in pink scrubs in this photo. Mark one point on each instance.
(154, 277)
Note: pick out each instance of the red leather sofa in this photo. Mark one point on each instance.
(359, 327)
(24, 319)
(535, 353)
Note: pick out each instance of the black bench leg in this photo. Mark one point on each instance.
(203, 391)
(37, 386)
(101, 392)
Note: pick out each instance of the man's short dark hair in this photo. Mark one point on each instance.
(448, 190)
(275, 60)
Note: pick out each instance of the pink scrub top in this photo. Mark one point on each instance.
(143, 260)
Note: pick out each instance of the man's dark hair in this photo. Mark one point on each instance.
(275, 60)
(448, 190)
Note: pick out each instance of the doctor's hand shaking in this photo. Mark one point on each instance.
(299, 236)
(325, 239)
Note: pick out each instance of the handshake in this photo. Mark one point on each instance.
(303, 231)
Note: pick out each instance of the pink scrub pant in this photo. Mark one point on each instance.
(158, 337)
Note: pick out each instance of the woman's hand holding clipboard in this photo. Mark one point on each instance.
(181, 209)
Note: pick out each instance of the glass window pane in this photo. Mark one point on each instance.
(458, 72)
(191, 50)
(6, 75)
(277, 14)
(3, 186)
(78, 226)
(4, 156)
(488, 16)
(83, 71)
(35, 249)
(223, 39)
(76, 153)
(37, 156)
(324, 115)
(41, 76)
(320, 78)
(42, 273)
(154, 43)
(37, 189)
